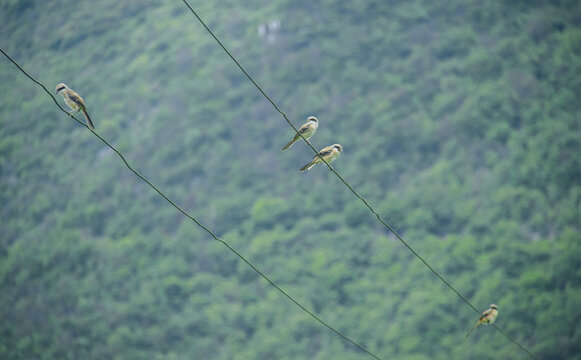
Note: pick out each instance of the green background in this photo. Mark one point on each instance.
(460, 124)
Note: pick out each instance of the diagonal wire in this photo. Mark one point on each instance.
(516, 342)
(330, 327)
(345, 182)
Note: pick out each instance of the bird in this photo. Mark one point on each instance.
(306, 130)
(329, 153)
(488, 317)
(74, 101)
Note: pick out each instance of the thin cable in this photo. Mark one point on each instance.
(196, 221)
(343, 180)
(516, 342)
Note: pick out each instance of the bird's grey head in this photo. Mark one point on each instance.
(338, 147)
(60, 87)
(314, 119)
(494, 306)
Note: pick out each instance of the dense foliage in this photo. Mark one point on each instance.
(460, 123)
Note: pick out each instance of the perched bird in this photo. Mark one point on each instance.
(329, 153)
(307, 130)
(74, 101)
(488, 317)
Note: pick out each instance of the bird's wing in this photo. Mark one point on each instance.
(304, 128)
(485, 314)
(325, 152)
(74, 97)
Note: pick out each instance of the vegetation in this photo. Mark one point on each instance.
(459, 121)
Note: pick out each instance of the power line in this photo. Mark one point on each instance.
(345, 182)
(330, 327)
(516, 342)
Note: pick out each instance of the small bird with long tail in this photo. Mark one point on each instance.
(329, 153)
(74, 101)
(488, 317)
(306, 130)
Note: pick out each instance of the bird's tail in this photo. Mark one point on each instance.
(308, 166)
(89, 122)
(473, 327)
(290, 143)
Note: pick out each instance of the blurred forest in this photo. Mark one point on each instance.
(460, 123)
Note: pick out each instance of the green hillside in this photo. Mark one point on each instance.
(460, 123)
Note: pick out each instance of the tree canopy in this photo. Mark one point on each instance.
(459, 121)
